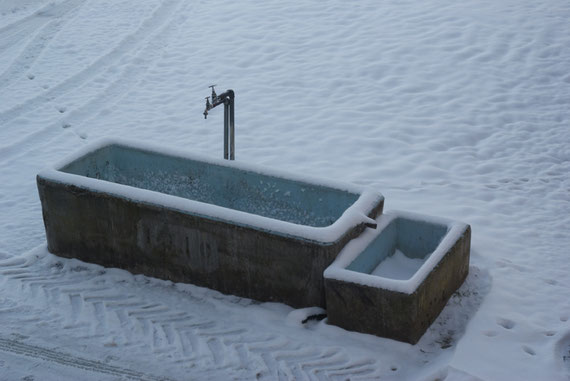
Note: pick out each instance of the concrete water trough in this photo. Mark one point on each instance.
(237, 228)
(393, 282)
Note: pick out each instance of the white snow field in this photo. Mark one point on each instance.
(459, 109)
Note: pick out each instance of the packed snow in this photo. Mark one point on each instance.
(453, 109)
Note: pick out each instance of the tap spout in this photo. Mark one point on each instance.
(226, 98)
(208, 107)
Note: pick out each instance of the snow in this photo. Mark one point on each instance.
(398, 266)
(454, 109)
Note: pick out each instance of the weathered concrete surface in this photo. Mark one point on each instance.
(168, 244)
(397, 315)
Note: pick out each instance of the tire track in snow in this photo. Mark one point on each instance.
(105, 98)
(163, 14)
(15, 32)
(51, 355)
(175, 335)
(42, 38)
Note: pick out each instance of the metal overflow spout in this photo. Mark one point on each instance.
(227, 98)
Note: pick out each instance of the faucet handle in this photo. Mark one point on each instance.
(214, 95)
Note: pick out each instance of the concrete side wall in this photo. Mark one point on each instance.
(442, 282)
(167, 244)
(370, 310)
(396, 315)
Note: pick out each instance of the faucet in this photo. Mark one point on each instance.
(227, 98)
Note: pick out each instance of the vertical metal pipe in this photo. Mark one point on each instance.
(232, 130)
(227, 98)
(226, 129)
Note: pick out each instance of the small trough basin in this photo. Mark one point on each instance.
(393, 282)
(237, 228)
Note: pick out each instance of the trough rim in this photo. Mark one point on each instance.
(354, 216)
(338, 271)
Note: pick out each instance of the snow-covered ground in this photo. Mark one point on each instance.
(458, 109)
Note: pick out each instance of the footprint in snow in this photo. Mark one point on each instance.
(505, 323)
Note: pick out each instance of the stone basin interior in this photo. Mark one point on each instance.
(234, 188)
(400, 249)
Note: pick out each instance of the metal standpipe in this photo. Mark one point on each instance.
(232, 127)
(228, 99)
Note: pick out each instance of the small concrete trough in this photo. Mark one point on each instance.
(237, 228)
(394, 281)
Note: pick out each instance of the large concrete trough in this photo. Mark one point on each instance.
(394, 282)
(236, 228)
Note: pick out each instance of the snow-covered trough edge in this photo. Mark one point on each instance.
(355, 215)
(337, 270)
